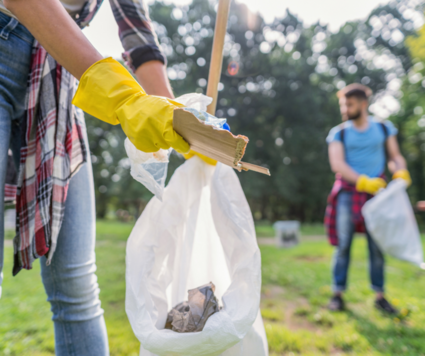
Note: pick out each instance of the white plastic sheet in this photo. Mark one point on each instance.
(150, 169)
(202, 231)
(390, 221)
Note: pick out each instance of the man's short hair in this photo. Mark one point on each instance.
(355, 90)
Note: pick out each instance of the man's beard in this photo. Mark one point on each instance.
(355, 116)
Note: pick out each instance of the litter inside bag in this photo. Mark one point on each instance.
(150, 169)
(192, 315)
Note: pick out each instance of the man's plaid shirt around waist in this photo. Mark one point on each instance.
(358, 200)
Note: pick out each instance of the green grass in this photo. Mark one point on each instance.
(297, 282)
(295, 293)
(25, 325)
(265, 229)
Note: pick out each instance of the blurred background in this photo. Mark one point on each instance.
(284, 62)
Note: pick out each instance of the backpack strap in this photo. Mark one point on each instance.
(385, 130)
(342, 135)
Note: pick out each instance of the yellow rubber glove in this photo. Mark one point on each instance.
(370, 185)
(109, 92)
(403, 174)
(206, 159)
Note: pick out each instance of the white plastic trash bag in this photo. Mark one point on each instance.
(390, 221)
(201, 232)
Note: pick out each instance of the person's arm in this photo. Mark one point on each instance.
(106, 89)
(338, 164)
(153, 78)
(55, 30)
(396, 161)
(142, 51)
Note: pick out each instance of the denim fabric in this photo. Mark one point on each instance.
(70, 281)
(15, 49)
(341, 261)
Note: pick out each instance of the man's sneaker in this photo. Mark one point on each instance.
(385, 306)
(336, 303)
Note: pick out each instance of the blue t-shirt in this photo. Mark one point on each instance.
(364, 150)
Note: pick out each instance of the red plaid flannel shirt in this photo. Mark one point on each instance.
(53, 146)
(359, 199)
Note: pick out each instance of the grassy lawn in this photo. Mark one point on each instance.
(295, 291)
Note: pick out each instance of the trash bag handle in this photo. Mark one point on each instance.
(217, 53)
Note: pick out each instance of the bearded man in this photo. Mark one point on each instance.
(358, 151)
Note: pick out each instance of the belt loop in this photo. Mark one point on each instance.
(9, 28)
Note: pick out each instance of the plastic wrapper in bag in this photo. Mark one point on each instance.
(202, 231)
(192, 315)
(150, 169)
(197, 104)
(391, 222)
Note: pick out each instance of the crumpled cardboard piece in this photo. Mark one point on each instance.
(191, 316)
(220, 145)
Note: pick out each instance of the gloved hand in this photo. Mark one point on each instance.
(206, 159)
(403, 174)
(370, 185)
(110, 93)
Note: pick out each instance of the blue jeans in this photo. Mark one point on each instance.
(70, 281)
(341, 261)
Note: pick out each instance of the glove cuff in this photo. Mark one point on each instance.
(403, 174)
(104, 87)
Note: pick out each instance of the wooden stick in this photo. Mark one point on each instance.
(217, 53)
(199, 137)
(253, 167)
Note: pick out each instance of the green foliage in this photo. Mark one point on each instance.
(411, 118)
(282, 98)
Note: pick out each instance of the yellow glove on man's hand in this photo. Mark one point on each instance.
(370, 185)
(109, 92)
(403, 174)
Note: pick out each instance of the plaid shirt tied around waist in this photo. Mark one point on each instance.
(53, 132)
(358, 200)
(53, 148)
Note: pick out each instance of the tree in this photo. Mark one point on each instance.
(278, 88)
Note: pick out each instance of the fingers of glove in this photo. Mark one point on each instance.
(147, 146)
(146, 120)
(179, 144)
(206, 159)
(370, 185)
(377, 184)
(173, 139)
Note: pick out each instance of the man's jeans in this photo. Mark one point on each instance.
(70, 281)
(345, 231)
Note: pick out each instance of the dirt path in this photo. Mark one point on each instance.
(271, 241)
